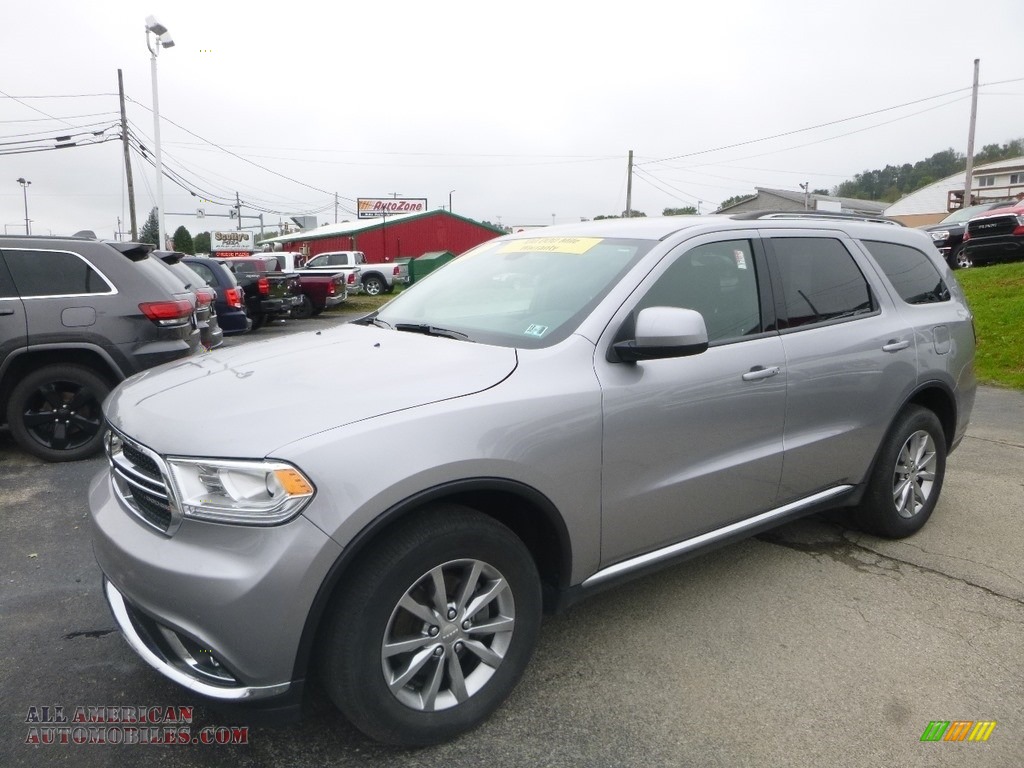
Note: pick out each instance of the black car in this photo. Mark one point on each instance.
(210, 333)
(948, 234)
(76, 317)
(230, 301)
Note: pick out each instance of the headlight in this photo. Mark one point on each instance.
(241, 492)
(940, 235)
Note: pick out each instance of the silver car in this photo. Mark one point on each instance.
(545, 416)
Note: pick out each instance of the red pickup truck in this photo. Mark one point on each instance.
(319, 290)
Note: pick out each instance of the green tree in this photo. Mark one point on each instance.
(183, 241)
(687, 211)
(634, 214)
(735, 199)
(150, 230)
(201, 243)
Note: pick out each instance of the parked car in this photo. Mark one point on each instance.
(77, 316)
(997, 235)
(230, 301)
(373, 278)
(634, 392)
(320, 289)
(948, 234)
(210, 333)
(269, 294)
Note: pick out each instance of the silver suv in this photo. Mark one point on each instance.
(551, 414)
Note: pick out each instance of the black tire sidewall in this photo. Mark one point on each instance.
(877, 513)
(303, 311)
(354, 678)
(29, 385)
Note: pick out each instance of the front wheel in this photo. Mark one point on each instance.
(435, 629)
(959, 259)
(905, 483)
(55, 412)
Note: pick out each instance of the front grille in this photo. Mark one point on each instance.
(993, 226)
(140, 481)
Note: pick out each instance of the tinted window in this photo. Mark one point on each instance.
(53, 273)
(911, 272)
(204, 272)
(820, 280)
(719, 281)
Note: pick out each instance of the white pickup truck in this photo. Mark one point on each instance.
(374, 278)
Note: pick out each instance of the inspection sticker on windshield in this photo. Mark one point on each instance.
(536, 330)
(553, 244)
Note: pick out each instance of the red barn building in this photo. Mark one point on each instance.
(387, 239)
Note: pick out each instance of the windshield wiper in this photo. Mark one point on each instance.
(371, 319)
(431, 330)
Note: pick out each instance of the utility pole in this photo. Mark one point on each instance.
(335, 207)
(968, 182)
(629, 186)
(238, 211)
(806, 186)
(127, 161)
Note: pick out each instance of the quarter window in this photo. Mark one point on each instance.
(911, 272)
(719, 281)
(53, 273)
(820, 281)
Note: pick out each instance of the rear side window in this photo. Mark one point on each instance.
(911, 272)
(820, 281)
(204, 272)
(54, 273)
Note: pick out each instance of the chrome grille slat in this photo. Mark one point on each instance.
(141, 483)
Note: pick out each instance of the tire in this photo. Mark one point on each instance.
(373, 285)
(55, 412)
(318, 311)
(906, 480)
(959, 259)
(258, 321)
(455, 545)
(303, 311)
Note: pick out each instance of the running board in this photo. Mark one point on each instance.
(706, 539)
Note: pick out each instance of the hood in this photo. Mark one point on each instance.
(1014, 210)
(247, 401)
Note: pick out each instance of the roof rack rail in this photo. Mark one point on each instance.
(828, 215)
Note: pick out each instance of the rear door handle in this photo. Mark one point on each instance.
(895, 345)
(759, 372)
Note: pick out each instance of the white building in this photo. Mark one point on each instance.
(992, 181)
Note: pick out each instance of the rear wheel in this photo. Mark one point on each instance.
(907, 478)
(373, 285)
(55, 412)
(303, 311)
(258, 321)
(435, 629)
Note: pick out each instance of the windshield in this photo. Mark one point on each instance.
(957, 217)
(529, 292)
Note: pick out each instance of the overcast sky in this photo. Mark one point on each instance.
(526, 110)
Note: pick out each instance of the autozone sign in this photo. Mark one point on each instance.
(372, 207)
(231, 241)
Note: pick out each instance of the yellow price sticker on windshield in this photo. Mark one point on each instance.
(551, 244)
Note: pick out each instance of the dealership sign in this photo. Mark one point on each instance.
(372, 207)
(233, 240)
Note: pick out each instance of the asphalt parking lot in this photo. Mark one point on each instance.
(810, 645)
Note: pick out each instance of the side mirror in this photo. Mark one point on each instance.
(663, 332)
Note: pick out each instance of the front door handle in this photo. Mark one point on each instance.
(895, 345)
(4, 312)
(759, 372)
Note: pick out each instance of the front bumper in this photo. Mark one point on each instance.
(219, 609)
(992, 249)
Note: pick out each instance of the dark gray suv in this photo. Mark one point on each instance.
(546, 415)
(76, 317)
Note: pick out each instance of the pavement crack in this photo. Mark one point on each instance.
(93, 633)
(996, 442)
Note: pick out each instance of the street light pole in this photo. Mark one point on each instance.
(163, 40)
(25, 194)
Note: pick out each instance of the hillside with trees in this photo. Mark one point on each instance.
(894, 181)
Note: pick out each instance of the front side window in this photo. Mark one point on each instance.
(53, 273)
(911, 272)
(820, 281)
(719, 281)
